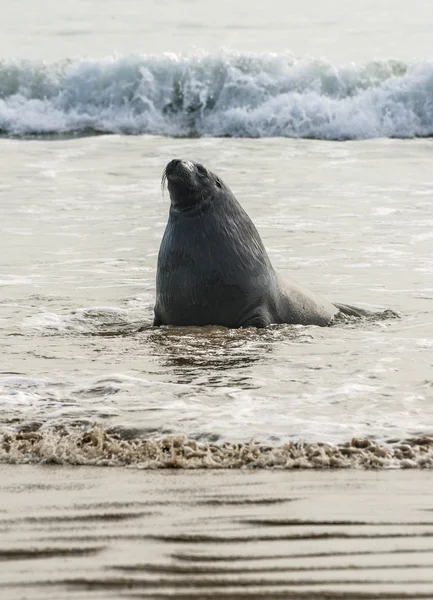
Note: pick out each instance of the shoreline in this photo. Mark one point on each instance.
(99, 447)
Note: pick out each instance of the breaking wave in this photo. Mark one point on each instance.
(224, 94)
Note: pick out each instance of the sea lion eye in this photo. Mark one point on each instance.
(217, 182)
(201, 169)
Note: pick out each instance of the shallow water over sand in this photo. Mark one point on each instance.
(82, 221)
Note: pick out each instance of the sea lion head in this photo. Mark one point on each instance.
(191, 185)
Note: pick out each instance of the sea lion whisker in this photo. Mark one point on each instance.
(164, 181)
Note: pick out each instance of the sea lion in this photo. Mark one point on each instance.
(213, 268)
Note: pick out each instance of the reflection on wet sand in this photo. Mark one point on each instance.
(116, 533)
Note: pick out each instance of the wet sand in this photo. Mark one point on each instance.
(88, 532)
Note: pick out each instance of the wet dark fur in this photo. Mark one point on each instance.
(212, 266)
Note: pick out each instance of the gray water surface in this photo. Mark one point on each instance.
(82, 220)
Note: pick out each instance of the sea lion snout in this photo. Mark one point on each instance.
(172, 166)
(181, 178)
(178, 167)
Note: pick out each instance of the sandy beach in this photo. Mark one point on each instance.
(81, 532)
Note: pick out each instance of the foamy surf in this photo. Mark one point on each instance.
(224, 94)
(98, 447)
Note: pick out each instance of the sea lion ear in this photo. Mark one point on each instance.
(218, 182)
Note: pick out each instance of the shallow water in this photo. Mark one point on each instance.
(253, 94)
(82, 221)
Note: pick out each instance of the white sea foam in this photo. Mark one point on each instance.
(83, 320)
(223, 94)
(97, 446)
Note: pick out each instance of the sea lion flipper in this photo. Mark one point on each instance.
(352, 311)
(347, 310)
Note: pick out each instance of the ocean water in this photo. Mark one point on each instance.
(320, 120)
